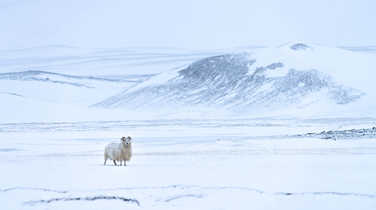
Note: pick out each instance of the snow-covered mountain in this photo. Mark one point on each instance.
(59, 83)
(289, 78)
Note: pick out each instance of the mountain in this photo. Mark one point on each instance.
(291, 78)
(59, 83)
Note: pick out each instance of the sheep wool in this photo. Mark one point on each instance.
(121, 152)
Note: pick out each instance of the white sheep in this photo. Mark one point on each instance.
(119, 151)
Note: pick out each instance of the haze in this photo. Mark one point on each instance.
(185, 24)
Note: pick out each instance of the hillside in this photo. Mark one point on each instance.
(287, 79)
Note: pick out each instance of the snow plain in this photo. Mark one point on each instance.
(52, 142)
(187, 164)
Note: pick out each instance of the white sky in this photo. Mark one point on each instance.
(192, 24)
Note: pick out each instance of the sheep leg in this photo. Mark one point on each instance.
(121, 162)
(114, 162)
(105, 158)
(125, 163)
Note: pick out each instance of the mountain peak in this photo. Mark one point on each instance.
(299, 46)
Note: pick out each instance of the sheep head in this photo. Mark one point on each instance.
(126, 141)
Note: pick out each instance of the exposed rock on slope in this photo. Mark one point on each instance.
(237, 82)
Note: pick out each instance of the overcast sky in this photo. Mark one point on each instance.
(193, 24)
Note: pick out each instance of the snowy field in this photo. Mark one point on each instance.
(306, 138)
(188, 164)
(231, 105)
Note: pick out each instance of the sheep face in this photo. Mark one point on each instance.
(126, 141)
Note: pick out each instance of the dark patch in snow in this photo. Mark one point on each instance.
(59, 82)
(8, 149)
(184, 196)
(274, 66)
(73, 80)
(33, 189)
(299, 46)
(24, 75)
(343, 134)
(269, 67)
(343, 95)
(327, 193)
(12, 94)
(369, 49)
(91, 198)
(223, 67)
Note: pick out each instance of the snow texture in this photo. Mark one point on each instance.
(60, 107)
(189, 164)
(245, 82)
(344, 134)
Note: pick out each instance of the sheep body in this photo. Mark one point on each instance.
(112, 152)
(119, 151)
(126, 153)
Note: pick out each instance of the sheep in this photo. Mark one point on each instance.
(126, 152)
(119, 151)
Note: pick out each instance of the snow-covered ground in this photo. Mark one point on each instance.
(57, 116)
(188, 164)
(227, 109)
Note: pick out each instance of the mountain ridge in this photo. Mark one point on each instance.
(243, 82)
